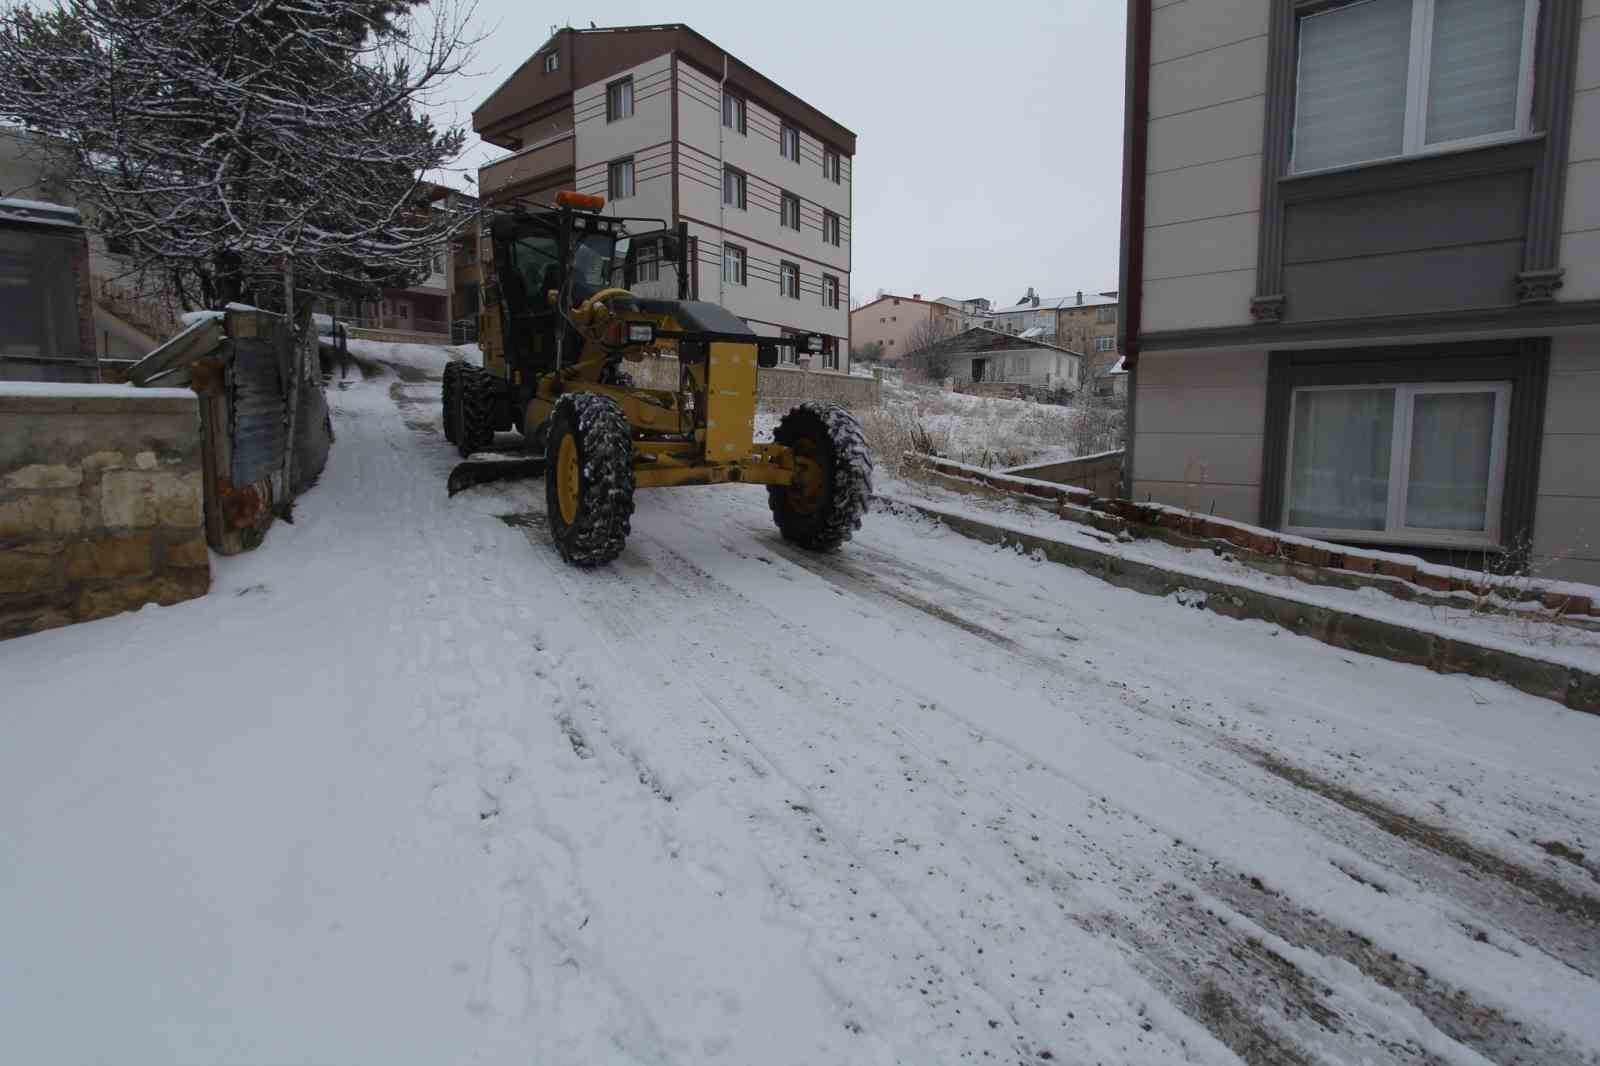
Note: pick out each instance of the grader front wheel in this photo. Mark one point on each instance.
(824, 504)
(589, 480)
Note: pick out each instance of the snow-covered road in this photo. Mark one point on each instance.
(406, 789)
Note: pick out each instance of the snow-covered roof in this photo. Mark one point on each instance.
(1058, 303)
(1119, 368)
(1032, 333)
(40, 213)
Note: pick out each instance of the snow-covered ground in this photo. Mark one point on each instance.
(404, 788)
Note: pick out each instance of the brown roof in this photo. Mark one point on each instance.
(589, 56)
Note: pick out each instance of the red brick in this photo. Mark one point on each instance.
(1403, 571)
(1560, 601)
(1430, 580)
(1310, 554)
(1359, 564)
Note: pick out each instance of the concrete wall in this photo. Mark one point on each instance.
(1100, 474)
(1580, 218)
(100, 503)
(1203, 186)
(1198, 431)
(1567, 521)
(775, 384)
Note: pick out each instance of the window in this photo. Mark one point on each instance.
(1385, 78)
(619, 179)
(786, 347)
(733, 188)
(1105, 344)
(830, 227)
(619, 99)
(649, 262)
(830, 291)
(830, 165)
(830, 353)
(733, 111)
(552, 62)
(789, 211)
(789, 280)
(1415, 463)
(1106, 314)
(733, 264)
(789, 143)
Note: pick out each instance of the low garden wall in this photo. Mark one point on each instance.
(100, 502)
(779, 384)
(1100, 474)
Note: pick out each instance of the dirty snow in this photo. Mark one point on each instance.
(1490, 621)
(404, 788)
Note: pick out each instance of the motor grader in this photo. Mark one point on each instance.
(558, 328)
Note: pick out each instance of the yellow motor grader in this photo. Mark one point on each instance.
(558, 328)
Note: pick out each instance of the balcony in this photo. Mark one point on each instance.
(538, 164)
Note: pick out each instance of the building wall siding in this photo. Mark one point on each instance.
(1567, 520)
(757, 227)
(1200, 425)
(1580, 217)
(1207, 113)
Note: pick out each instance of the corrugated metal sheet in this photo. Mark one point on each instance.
(256, 396)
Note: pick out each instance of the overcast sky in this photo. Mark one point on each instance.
(989, 136)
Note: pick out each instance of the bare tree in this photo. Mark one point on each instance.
(927, 350)
(225, 144)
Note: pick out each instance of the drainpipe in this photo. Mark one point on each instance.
(1135, 141)
(722, 194)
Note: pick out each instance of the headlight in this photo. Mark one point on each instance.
(641, 333)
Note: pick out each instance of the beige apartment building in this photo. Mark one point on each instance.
(667, 125)
(1361, 271)
(893, 322)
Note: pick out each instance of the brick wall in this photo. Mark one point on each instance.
(100, 502)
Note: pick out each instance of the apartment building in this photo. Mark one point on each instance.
(1361, 270)
(1087, 323)
(667, 125)
(900, 324)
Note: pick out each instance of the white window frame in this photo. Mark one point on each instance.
(830, 291)
(1396, 531)
(830, 165)
(786, 271)
(552, 62)
(614, 170)
(1417, 74)
(734, 107)
(831, 229)
(785, 199)
(738, 257)
(619, 99)
(786, 135)
(1105, 344)
(649, 262)
(735, 181)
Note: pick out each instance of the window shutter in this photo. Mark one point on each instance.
(1473, 74)
(1353, 79)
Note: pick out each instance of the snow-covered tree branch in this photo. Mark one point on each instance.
(222, 142)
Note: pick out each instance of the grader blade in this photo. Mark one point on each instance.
(485, 467)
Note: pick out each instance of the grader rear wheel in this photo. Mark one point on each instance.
(451, 415)
(824, 504)
(589, 481)
(478, 393)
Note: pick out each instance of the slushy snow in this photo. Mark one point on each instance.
(404, 788)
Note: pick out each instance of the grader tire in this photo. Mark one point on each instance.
(480, 400)
(451, 414)
(589, 478)
(824, 505)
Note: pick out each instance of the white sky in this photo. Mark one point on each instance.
(989, 136)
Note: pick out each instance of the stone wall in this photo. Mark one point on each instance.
(100, 502)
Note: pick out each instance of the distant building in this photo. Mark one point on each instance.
(666, 125)
(985, 356)
(899, 323)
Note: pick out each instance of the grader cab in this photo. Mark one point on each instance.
(560, 327)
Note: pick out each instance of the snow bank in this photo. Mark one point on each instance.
(71, 391)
